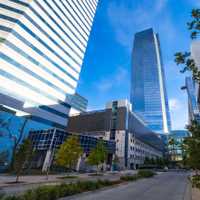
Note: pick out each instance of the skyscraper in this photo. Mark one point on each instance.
(148, 90)
(192, 86)
(193, 109)
(195, 53)
(42, 47)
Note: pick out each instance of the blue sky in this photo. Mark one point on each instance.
(105, 74)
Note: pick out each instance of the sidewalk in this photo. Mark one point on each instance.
(195, 194)
(30, 182)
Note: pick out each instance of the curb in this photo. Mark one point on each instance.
(188, 191)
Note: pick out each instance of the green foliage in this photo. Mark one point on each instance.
(147, 161)
(69, 153)
(98, 155)
(191, 146)
(139, 175)
(63, 190)
(1, 195)
(2, 40)
(67, 177)
(194, 25)
(146, 173)
(22, 156)
(55, 192)
(196, 181)
(184, 59)
(129, 177)
(16, 139)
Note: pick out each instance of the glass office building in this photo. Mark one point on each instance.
(195, 54)
(148, 90)
(42, 47)
(193, 108)
(175, 146)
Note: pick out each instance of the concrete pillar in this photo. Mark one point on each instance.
(47, 161)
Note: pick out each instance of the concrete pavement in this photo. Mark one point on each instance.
(166, 186)
(31, 182)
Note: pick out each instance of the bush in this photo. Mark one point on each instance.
(196, 181)
(146, 173)
(55, 192)
(1, 196)
(12, 198)
(67, 177)
(129, 178)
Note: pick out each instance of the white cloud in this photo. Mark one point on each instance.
(178, 111)
(116, 79)
(160, 5)
(127, 19)
(174, 104)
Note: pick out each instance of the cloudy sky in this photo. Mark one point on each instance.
(106, 70)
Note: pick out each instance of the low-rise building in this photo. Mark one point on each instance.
(45, 143)
(117, 122)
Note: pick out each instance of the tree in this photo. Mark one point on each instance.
(172, 144)
(184, 58)
(191, 147)
(98, 155)
(69, 152)
(147, 161)
(152, 161)
(5, 124)
(22, 157)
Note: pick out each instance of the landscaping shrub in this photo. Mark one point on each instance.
(196, 181)
(67, 177)
(129, 178)
(1, 196)
(55, 192)
(146, 173)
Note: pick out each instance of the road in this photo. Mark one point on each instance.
(166, 186)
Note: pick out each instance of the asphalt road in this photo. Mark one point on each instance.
(166, 186)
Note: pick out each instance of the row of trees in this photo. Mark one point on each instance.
(191, 145)
(67, 155)
(70, 151)
(157, 162)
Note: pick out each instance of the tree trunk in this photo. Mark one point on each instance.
(47, 174)
(17, 142)
(17, 177)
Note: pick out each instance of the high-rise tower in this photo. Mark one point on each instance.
(148, 90)
(42, 47)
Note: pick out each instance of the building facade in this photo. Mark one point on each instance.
(46, 142)
(193, 107)
(176, 139)
(42, 47)
(195, 54)
(78, 104)
(148, 90)
(134, 140)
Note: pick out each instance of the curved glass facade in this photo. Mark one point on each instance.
(148, 91)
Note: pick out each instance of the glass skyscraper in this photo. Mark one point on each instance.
(193, 108)
(42, 47)
(148, 90)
